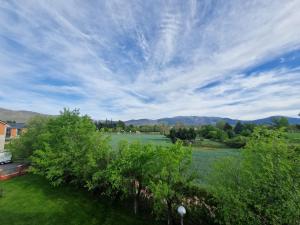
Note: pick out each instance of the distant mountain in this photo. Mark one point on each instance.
(24, 116)
(18, 116)
(203, 120)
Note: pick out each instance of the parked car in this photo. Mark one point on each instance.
(5, 157)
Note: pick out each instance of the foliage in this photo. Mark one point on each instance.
(238, 128)
(73, 151)
(31, 140)
(280, 122)
(220, 124)
(236, 142)
(182, 134)
(170, 172)
(261, 187)
(131, 168)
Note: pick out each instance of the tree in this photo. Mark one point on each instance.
(279, 122)
(74, 151)
(131, 169)
(238, 129)
(228, 129)
(182, 134)
(220, 124)
(260, 187)
(31, 140)
(170, 171)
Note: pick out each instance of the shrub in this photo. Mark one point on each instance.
(236, 142)
(261, 187)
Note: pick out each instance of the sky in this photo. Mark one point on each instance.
(130, 59)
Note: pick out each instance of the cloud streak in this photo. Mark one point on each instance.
(134, 59)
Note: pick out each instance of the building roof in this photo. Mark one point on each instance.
(2, 122)
(17, 125)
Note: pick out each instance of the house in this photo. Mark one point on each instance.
(5, 157)
(7, 132)
(3, 129)
(14, 130)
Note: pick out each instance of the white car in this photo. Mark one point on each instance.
(5, 157)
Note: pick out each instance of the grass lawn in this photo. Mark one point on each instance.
(31, 200)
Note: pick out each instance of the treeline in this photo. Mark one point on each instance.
(260, 187)
(183, 134)
(120, 126)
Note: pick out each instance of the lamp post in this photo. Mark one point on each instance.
(181, 210)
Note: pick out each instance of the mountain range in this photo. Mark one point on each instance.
(202, 120)
(24, 116)
(18, 116)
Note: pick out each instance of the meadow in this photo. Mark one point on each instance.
(31, 200)
(204, 154)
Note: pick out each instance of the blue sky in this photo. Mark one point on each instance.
(151, 59)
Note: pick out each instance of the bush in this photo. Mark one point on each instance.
(236, 142)
(261, 187)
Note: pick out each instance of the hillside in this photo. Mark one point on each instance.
(18, 116)
(201, 120)
(23, 116)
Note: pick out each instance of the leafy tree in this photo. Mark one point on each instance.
(261, 187)
(170, 171)
(236, 142)
(74, 151)
(31, 140)
(131, 169)
(280, 122)
(121, 124)
(238, 129)
(182, 134)
(220, 124)
(227, 127)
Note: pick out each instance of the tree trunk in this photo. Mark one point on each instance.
(170, 215)
(137, 192)
(135, 207)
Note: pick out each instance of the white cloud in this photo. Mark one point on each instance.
(138, 59)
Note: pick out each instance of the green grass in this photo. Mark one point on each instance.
(294, 138)
(203, 160)
(204, 154)
(31, 200)
(142, 138)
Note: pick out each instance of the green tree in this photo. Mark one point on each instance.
(260, 187)
(74, 151)
(280, 122)
(238, 129)
(170, 171)
(30, 140)
(220, 124)
(131, 168)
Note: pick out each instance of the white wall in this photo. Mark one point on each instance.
(2, 141)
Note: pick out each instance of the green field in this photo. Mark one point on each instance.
(204, 154)
(30, 200)
(142, 138)
(294, 138)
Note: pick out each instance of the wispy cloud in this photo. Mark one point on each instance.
(133, 59)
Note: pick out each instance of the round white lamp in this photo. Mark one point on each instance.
(181, 210)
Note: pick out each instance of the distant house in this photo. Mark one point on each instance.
(3, 130)
(14, 130)
(7, 132)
